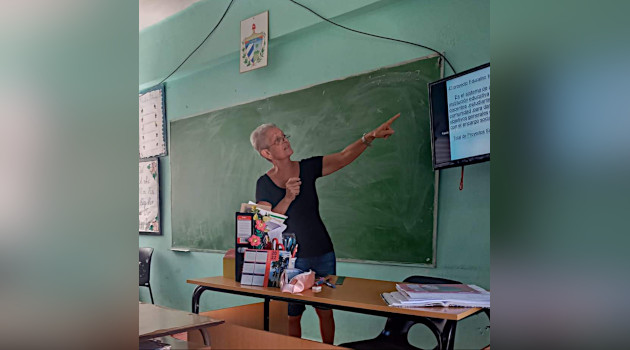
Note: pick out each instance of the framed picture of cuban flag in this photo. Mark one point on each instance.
(254, 42)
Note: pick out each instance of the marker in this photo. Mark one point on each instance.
(289, 244)
(329, 284)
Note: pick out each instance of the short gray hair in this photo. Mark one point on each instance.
(258, 136)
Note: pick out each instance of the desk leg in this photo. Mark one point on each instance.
(196, 296)
(205, 336)
(448, 334)
(266, 315)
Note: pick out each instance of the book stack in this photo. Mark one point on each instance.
(411, 295)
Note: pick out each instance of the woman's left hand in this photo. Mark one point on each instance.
(385, 130)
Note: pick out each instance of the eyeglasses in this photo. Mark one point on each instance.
(280, 139)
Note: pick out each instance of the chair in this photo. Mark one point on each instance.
(394, 335)
(145, 269)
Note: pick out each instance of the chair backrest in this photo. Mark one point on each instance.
(429, 280)
(145, 265)
(398, 328)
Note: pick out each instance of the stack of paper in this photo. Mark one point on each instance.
(423, 295)
(264, 211)
(275, 229)
(275, 225)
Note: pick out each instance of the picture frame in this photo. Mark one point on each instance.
(149, 219)
(254, 42)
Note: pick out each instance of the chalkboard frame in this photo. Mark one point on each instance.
(433, 263)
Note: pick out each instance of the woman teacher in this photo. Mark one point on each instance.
(289, 188)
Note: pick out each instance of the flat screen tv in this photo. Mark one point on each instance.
(460, 118)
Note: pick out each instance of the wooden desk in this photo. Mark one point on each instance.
(229, 336)
(158, 321)
(354, 295)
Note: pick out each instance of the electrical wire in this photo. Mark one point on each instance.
(204, 40)
(320, 16)
(374, 35)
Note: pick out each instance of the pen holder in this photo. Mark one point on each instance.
(289, 241)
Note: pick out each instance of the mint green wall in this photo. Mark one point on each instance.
(305, 51)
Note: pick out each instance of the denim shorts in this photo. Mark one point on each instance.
(323, 265)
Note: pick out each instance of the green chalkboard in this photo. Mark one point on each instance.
(379, 208)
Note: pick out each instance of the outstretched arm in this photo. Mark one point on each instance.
(336, 161)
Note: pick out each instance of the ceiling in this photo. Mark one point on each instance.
(153, 11)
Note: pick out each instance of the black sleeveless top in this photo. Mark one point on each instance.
(304, 219)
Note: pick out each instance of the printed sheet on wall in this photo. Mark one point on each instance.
(152, 119)
(149, 197)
